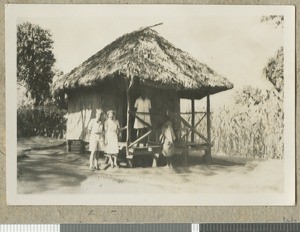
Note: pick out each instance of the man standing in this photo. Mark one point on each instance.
(96, 129)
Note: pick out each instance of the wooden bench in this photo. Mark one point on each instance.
(153, 150)
(183, 148)
(76, 145)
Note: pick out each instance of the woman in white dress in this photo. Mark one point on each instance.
(167, 138)
(112, 129)
(142, 106)
(96, 130)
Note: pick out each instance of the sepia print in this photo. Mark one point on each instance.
(150, 104)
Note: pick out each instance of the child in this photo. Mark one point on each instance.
(96, 129)
(112, 129)
(167, 138)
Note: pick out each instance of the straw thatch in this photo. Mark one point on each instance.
(145, 56)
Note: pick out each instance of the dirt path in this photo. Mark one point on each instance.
(221, 176)
(54, 171)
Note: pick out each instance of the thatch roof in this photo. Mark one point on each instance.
(145, 56)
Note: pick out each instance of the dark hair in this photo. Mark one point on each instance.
(165, 118)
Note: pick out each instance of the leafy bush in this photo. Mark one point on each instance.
(45, 120)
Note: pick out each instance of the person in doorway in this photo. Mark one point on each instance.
(96, 145)
(112, 131)
(167, 138)
(142, 106)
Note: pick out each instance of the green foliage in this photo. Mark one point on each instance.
(45, 120)
(35, 61)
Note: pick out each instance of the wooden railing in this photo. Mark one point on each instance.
(191, 128)
(188, 127)
(148, 126)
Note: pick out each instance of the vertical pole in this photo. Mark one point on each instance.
(208, 127)
(127, 120)
(193, 119)
(68, 146)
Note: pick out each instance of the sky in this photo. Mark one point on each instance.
(232, 41)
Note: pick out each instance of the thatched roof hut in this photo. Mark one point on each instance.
(148, 57)
(114, 76)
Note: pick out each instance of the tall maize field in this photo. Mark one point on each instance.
(254, 129)
(254, 125)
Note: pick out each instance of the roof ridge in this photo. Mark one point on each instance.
(149, 27)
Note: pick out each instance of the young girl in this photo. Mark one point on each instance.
(96, 129)
(167, 138)
(112, 129)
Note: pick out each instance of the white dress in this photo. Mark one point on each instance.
(111, 136)
(143, 106)
(167, 138)
(96, 135)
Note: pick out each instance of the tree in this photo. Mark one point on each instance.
(35, 61)
(278, 20)
(274, 70)
(59, 98)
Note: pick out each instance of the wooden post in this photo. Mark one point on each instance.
(68, 146)
(127, 120)
(82, 147)
(193, 119)
(208, 153)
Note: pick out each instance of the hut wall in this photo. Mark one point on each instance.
(82, 105)
(111, 95)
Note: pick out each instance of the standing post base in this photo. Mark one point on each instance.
(207, 156)
(68, 146)
(82, 147)
(185, 154)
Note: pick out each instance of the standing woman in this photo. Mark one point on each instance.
(142, 107)
(167, 138)
(96, 145)
(112, 129)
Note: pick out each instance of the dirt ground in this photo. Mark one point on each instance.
(54, 171)
(37, 142)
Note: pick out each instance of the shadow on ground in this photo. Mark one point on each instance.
(54, 171)
(51, 171)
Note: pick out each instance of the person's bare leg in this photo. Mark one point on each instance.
(96, 160)
(168, 162)
(171, 165)
(106, 159)
(111, 160)
(115, 160)
(92, 156)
